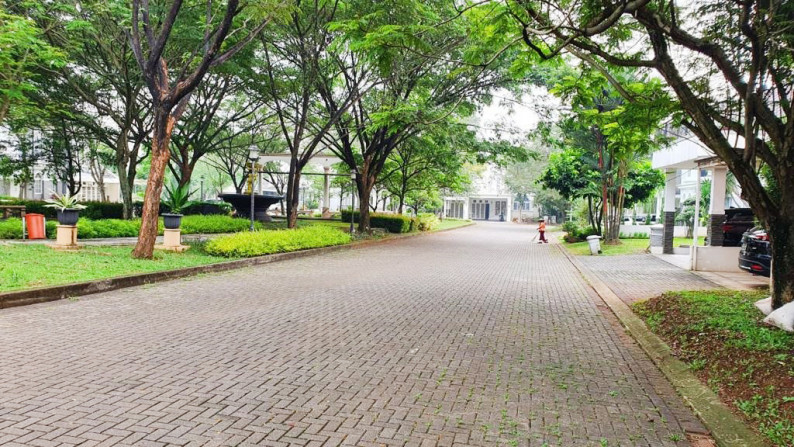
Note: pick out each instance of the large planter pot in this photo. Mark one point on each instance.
(68, 216)
(242, 204)
(172, 221)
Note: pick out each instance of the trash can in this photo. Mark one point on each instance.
(595, 244)
(35, 226)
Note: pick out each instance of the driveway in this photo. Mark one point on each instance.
(473, 337)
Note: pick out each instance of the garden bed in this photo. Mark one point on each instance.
(720, 336)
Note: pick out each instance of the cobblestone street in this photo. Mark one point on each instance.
(473, 337)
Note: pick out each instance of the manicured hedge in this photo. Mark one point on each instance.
(216, 224)
(393, 223)
(105, 228)
(260, 243)
(93, 210)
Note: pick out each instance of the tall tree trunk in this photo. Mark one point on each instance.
(123, 161)
(293, 201)
(161, 138)
(781, 236)
(293, 187)
(365, 185)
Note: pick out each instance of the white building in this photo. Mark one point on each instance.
(44, 186)
(490, 199)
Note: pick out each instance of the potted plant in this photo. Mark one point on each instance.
(68, 208)
(176, 200)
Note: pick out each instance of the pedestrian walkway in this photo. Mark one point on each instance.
(642, 276)
(473, 337)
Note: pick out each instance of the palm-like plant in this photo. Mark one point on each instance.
(64, 202)
(177, 197)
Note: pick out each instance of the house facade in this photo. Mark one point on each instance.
(490, 200)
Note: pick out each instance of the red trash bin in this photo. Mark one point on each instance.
(35, 225)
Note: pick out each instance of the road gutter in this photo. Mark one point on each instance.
(727, 429)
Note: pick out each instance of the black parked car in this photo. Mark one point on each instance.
(737, 222)
(755, 255)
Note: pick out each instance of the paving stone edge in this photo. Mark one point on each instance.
(54, 293)
(727, 429)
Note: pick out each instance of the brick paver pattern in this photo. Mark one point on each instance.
(643, 276)
(468, 338)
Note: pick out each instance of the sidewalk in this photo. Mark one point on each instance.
(643, 276)
(638, 277)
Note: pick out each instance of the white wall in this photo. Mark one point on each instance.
(679, 231)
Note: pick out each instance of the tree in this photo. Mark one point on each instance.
(220, 109)
(64, 154)
(23, 151)
(301, 67)
(24, 53)
(742, 86)
(171, 84)
(426, 162)
(429, 76)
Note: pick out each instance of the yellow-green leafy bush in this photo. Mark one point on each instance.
(260, 243)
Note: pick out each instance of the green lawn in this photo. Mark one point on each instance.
(451, 223)
(626, 246)
(25, 266)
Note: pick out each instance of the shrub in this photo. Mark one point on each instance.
(207, 209)
(393, 223)
(92, 229)
(93, 210)
(582, 233)
(426, 222)
(260, 243)
(215, 224)
(573, 233)
(637, 235)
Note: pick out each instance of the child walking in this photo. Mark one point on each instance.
(542, 231)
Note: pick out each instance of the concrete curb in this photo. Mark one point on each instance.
(54, 293)
(727, 429)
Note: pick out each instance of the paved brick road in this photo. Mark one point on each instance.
(642, 276)
(472, 337)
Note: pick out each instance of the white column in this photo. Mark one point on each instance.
(718, 182)
(669, 191)
(466, 208)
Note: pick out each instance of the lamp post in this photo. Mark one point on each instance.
(352, 199)
(253, 156)
(202, 187)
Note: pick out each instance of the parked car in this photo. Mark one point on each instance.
(755, 255)
(737, 222)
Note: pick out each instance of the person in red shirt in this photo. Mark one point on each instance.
(542, 231)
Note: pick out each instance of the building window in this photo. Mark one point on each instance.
(38, 185)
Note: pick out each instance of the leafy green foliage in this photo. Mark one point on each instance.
(23, 53)
(177, 197)
(393, 223)
(260, 243)
(63, 202)
(111, 228)
(426, 222)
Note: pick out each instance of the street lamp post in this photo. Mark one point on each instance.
(352, 200)
(253, 156)
(202, 187)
